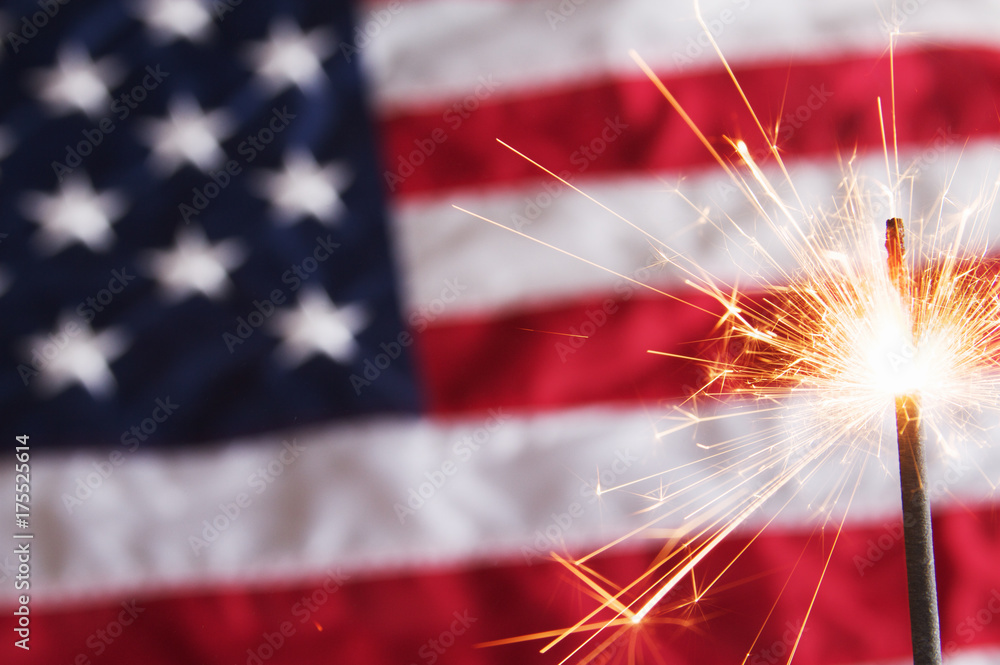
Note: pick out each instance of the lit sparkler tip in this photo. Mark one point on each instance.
(894, 239)
(894, 244)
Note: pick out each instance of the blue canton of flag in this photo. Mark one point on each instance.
(192, 223)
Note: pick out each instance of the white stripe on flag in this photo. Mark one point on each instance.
(440, 247)
(487, 489)
(438, 49)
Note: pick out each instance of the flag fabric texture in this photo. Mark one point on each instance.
(268, 397)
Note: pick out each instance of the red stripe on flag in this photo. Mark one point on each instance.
(589, 351)
(439, 616)
(539, 360)
(625, 126)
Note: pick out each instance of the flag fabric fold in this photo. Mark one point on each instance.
(270, 397)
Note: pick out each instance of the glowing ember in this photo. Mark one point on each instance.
(841, 336)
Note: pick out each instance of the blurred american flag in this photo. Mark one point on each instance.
(284, 403)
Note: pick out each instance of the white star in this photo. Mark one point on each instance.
(169, 20)
(72, 353)
(195, 266)
(304, 188)
(77, 82)
(318, 326)
(76, 213)
(289, 57)
(189, 134)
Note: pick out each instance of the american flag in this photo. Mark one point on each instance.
(280, 402)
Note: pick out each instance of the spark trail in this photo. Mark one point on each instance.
(832, 345)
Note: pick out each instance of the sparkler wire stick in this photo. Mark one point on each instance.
(925, 630)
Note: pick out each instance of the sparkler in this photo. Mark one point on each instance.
(845, 336)
(925, 630)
